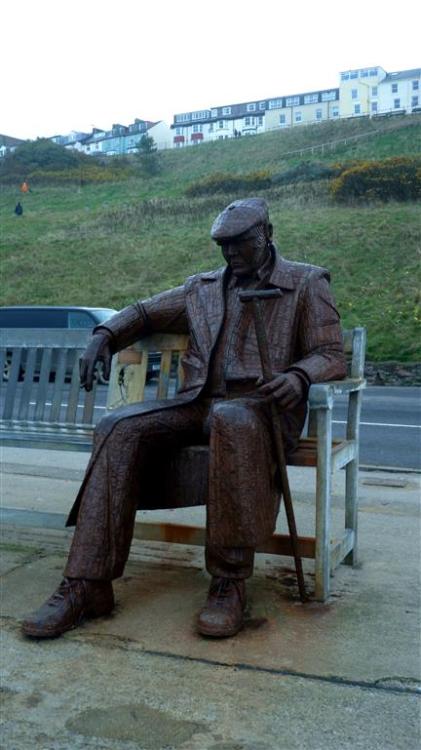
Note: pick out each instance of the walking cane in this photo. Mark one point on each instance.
(255, 297)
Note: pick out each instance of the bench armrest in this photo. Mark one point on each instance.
(321, 395)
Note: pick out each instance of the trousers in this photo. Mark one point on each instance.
(242, 503)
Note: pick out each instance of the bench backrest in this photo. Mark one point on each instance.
(41, 371)
(50, 359)
(128, 375)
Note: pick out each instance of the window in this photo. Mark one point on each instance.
(251, 107)
(179, 131)
(80, 320)
(394, 88)
(226, 110)
(319, 114)
(357, 109)
(374, 106)
(197, 128)
(221, 124)
(354, 93)
(396, 103)
(415, 85)
(183, 118)
(262, 105)
(275, 103)
(211, 128)
(282, 119)
(335, 112)
(260, 120)
(311, 99)
(353, 74)
(201, 115)
(364, 73)
(374, 91)
(214, 113)
(292, 101)
(414, 101)
(328, 96)
(298, 117)
(373, 72)
(344, 76)
(249, 121)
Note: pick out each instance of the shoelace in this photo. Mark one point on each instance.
(64, 587)
(221, 589)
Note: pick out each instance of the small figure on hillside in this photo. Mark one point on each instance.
(18, 209)
(24, 188)
(222, 403)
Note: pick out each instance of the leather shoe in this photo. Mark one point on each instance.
(75, 600)
(223, 613)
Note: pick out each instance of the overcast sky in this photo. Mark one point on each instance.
(84, 63)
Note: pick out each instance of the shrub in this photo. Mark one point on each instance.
(397, 179)
(229, 183)
(306, 171)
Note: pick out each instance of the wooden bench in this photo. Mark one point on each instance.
(45, 356)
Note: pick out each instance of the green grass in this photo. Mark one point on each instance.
(107, 245)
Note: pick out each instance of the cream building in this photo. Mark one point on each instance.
(362, 92)
(372, 91)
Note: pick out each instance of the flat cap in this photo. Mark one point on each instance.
(239, 217)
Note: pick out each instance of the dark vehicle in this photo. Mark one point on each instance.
(37, 316)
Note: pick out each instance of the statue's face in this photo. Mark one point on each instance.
(246, 252)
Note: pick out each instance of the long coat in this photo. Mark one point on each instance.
(302, 325)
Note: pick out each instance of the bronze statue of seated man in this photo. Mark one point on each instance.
(222, 403)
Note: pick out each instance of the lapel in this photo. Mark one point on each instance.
(206, 306)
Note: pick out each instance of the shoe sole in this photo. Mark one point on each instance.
(33, 632)
(212, 633)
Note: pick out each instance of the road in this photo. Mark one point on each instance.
(390, 424)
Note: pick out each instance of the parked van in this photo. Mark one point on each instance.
(25, 316)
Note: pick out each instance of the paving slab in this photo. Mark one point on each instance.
(344, 674)
(105, 692)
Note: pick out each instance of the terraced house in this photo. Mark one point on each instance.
(362, 92)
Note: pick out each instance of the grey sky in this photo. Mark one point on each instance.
(81, 64)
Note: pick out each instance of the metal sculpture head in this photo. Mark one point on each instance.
(244, 232)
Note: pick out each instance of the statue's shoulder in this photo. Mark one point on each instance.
(300, 272)
(192, 282)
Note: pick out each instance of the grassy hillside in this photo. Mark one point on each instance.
(109, 244)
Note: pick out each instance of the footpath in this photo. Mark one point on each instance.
(344, 675)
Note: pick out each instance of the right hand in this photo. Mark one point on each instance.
(99, 350)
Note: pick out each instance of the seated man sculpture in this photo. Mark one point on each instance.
(222, 402)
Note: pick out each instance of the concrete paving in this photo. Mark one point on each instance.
(344, 674)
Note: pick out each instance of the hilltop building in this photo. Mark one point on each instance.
(121, 139)
(362, 92)
(8, 144)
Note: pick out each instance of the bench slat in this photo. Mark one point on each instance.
(60, 376)
(73, 396)
(12, 384)
(25, 396)
(44, 379)
(2, 362)
(164, 374)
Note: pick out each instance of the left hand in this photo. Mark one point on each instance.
(286, 389)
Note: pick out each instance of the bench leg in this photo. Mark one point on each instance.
(351, 479)
(351, 509)
(323, 493)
